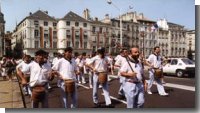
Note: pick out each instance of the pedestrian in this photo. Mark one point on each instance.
(26, 61)
(134, 85)
(99, 65)
(155, 72)
(66, 70)
(40, 74)
(80, 63)
(120, 61)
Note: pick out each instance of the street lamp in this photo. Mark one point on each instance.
(120, 19)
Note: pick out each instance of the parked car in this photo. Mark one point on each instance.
(179, 67)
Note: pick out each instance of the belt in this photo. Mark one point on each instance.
(133, 81)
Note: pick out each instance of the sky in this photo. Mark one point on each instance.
(181, 12)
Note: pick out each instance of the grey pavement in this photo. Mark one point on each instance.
(10, 95)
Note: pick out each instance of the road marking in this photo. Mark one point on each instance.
(83, 86)
(122, 101)
(190, 88)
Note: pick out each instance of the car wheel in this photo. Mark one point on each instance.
(179, 73)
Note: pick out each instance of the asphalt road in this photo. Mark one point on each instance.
(181, 95)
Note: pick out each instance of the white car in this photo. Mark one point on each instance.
(179, 67)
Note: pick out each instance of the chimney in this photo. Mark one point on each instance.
(141, 16)
(46, 12)
(96, 19)
(107, 16)
(86, 14)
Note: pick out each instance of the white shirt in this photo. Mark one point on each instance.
(154, 61)
(38, 75)
(100, 65)
(80, 62)
(137, 68)
(23, 66)
(65, 68)
(55, 60)
(120, 61)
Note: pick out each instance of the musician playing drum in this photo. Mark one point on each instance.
(66, 69)
(99, 65)
(40, 73)
(155, 72)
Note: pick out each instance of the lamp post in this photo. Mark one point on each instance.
(142, 34)
(120, 19)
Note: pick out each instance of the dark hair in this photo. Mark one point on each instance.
(156, 48)
(84, 53)
(68, 49)
(40, 52)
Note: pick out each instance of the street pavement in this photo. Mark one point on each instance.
(10, 95)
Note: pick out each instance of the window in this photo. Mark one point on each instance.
(54, 24)
(174, 62)
(93, 29)
(36, 22)
(68, 43)
(54, 44)
(46, 35)
(76, 24)
(55, 34)
(36, 33)
(46, 44)
(100, 30)
(36, 44)
(45, 23)
(68, 23)
(77, 45)
(85, 45)
(84, 24)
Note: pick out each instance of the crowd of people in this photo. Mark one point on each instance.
(71, 69)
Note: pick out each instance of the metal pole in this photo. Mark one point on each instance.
(121, 42)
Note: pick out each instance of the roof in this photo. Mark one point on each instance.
(71, 16)
(40, 15)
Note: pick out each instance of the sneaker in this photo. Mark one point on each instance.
(100, 86)
(164, 94)
(84, 82)
(79, 82)
(97, 105)
(149, 92)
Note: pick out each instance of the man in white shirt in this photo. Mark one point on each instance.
(22, 66)
(66, 69)
(40, 74)
(134, 85)
(154, 61)
(120, 61)
(99, 64)
(80, 63)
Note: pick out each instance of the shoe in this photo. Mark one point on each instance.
(97, 105)
(100, 86)
(149, 92)
(84, 82)
(164, 94)
(79, 82)
(91, 86)
(110, 106)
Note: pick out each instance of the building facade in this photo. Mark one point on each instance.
(36, 31)
(190, 41)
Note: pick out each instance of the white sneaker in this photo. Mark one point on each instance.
(83, 82)
(164, 94)
(149, 92)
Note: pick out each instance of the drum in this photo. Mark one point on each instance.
(102, 77)
(38, 93)
(69, 86)
(158, 73)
